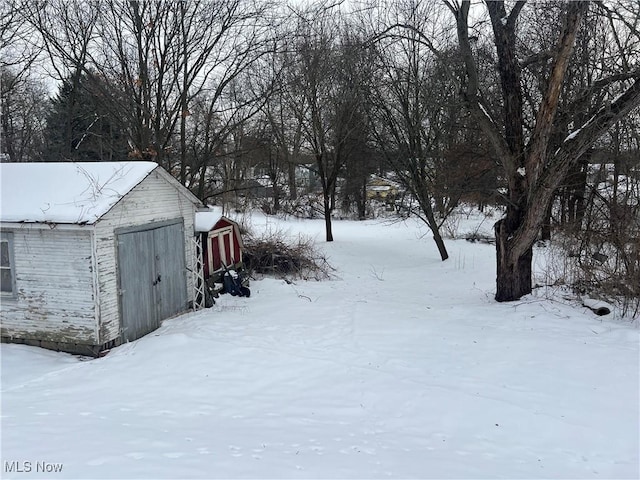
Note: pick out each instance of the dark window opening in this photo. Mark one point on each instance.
(7, 284)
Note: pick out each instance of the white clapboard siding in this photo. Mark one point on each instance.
(55, 298)
(155, 199)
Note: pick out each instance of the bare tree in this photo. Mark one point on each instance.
(532, 170)
(273, 78)
(18, 50)
(153, 58)
(404, 105)
(23, 106)
(21, 98)
(216, 140)
(219, 42)
(66, 32)
(332, 104)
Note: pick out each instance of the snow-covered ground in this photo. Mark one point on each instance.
(402, 366)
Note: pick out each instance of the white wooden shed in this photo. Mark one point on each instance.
(92, 254)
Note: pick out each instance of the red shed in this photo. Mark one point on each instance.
(221, 242)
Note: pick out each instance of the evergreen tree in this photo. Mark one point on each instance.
(80, 126)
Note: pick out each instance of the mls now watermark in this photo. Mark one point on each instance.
(35, 467)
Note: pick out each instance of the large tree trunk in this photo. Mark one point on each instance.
(442, 249)
(435, 229)
(424, 200)
(514, 275)
(276, 196)
(535, 171)
(327, 216)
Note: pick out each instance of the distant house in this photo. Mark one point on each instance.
(382, 189)
(93, 254)
(256, 188)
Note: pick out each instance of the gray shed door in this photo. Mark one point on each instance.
(152, 278)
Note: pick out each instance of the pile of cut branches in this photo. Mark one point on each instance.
(276, 254)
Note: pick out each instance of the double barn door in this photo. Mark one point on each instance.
(152, 276)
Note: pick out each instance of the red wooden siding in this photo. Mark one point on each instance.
(223, 247)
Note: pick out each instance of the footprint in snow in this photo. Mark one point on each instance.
(173, 454)
(318, 450)
(135, 455)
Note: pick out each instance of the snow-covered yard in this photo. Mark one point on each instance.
(402, 366)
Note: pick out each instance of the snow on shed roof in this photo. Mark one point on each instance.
(79, 192)
(206, 219)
